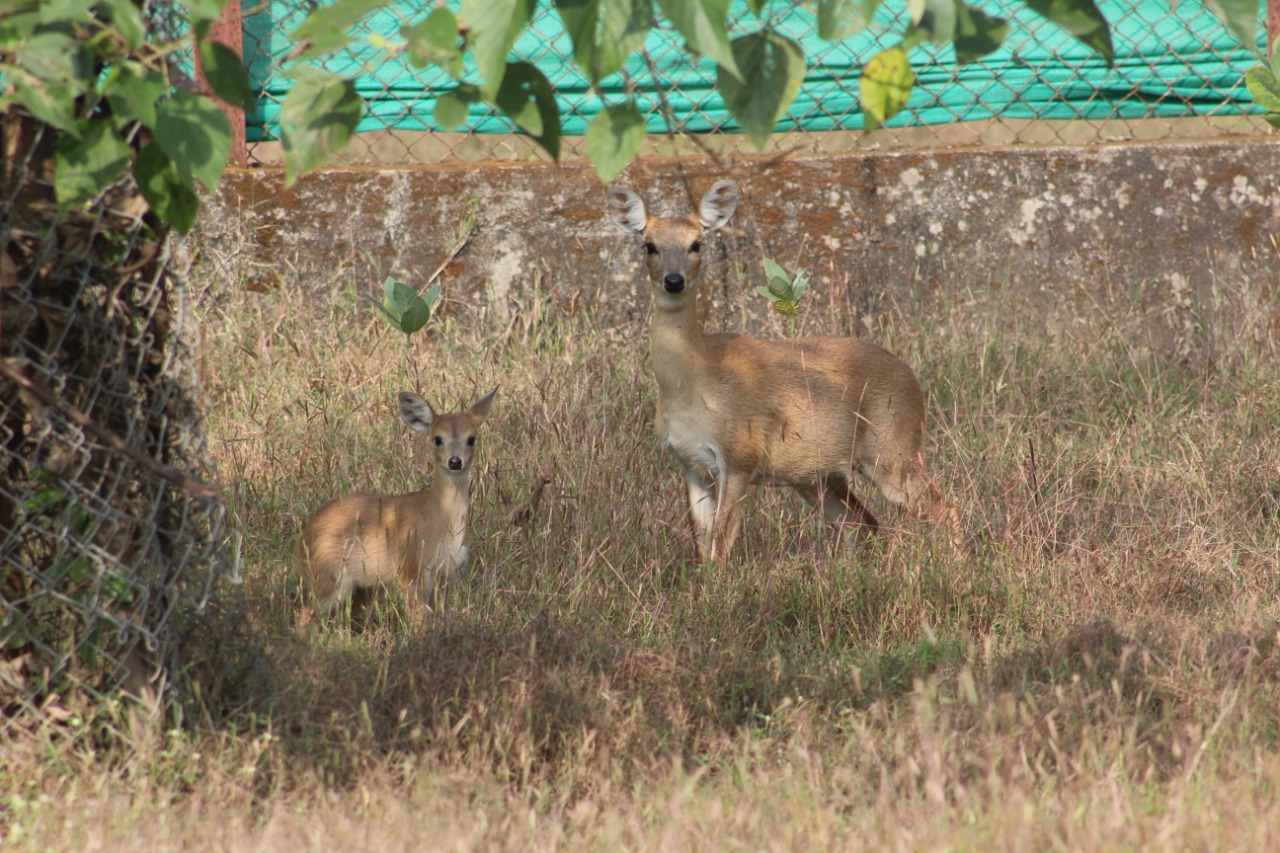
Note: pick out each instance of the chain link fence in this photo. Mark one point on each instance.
(1177, 72)
(111, 546)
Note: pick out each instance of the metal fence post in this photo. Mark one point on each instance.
(1273, 23)
(229, 31)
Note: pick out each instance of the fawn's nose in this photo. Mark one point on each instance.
(674, 282)
(455, 463)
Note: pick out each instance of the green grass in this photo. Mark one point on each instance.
(1101, 671)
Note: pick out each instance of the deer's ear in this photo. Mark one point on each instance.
(626, 209)
(718, 205)
(416, 412)
(480, 408)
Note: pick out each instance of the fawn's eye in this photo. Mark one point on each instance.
(439, 441)
(695, 247)
(471, 441)
(650, 248)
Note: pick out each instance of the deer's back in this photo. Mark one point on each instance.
(793, 409)
(372, 539)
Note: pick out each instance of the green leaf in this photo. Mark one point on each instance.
(195, 134)
(392, 318)
(977, 33)
(767, 293)
(317, 118)
(494, 26)
(126, 18)
(51, 69)
(526, 96)
(1264, 88)
(87, 165)
(771, 70)
(839, 19)
(18, 26)
(452, 108)
(885, 86)
(51, 101)
(415, 317)
(170, 193)
(935, 18)
(133, 92)
(204, 10)
(800, 285)
(605, 33)
(432, 296)
(772, 270)
(1240, 17)
(88, 649)
(1273, 119)
(325, 29)
(52, 11)
(613, 139)
(117, 589)
(703, 23)
(226, 74)
(1081, 19)
(435, 40)
(624, 26)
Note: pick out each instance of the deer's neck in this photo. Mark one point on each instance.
(452, 497)
(677, 349)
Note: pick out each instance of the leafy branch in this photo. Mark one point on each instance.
(94, 72)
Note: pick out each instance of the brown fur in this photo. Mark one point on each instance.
(367, 542)
(736, 410)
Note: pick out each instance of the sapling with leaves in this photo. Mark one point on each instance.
(783, 290)
(403, 308)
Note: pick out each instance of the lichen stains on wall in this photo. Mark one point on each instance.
(928, 224)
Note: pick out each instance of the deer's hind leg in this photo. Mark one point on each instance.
(841, 507)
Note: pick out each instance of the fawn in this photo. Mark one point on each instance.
(736, 410)
(367, 542)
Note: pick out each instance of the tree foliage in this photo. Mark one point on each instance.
(96, 72)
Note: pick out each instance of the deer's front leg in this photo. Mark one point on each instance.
(702, 510)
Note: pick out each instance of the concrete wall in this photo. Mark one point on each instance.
(1039, 222)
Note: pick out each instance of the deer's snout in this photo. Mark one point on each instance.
(455, 463)
(674, 282)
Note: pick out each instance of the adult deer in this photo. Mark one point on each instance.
(736, 410)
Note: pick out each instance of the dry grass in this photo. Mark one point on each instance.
(1101, 672)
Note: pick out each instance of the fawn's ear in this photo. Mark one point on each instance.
(718, 205)
(480, 408)
(416, 412)
(626, 209)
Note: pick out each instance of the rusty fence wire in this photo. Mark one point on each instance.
(1177, 72)
(111, 550)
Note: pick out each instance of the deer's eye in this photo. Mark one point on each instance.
(695, 247)
(650, 248)
(471, 441)
(439, 441)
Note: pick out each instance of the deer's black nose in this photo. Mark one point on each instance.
(674, 282)
(455, 463)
